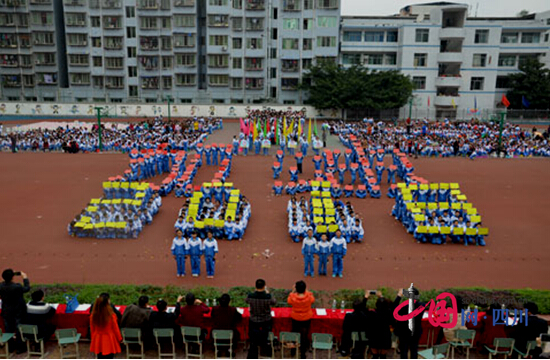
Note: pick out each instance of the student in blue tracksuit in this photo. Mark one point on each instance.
(276, 170)
(323, 251)
(210, 246)
(207, 153)
(299, 160)
(379, 171)
(235, 143)
(179, 250)
(309, 249)
(295, 230)
(317, 162)
(215, 154)
(195, 252)
(338, 249)
(279, 156)
(341, 172)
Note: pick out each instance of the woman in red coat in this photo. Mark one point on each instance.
(106, 335)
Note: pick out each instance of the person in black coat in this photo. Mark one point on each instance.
(380, 338)
(357, 321)
(39, 313)
(161, 319)
(535, 327)
(227, 317)
(14, 308)
(407, 340)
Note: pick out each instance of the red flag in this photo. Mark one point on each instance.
(428, 101)
(505, 101)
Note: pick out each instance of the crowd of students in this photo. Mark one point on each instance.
(445, 138)
(377, 323)
(147, 134)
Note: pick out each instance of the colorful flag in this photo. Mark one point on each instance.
(265, 129)
(309, 132)
(254, 130)
(505, 101)
(525, 102)
(428, 101)
(284, 127)
(291, 127)
(276, 132)
(453, 103)
(315, 128)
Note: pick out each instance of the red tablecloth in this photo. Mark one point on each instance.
(331, 323)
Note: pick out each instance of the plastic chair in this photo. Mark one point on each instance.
(30, 333)
(223, 338)
(66, 337)
(192, 332)
(321, 342)
(271, 341)
(359, 337)
(132, 337)
(530, 346)
(289, 340)
(465, 340)
(502, 343)
(161, 334)
(437, 352)
(4, 338)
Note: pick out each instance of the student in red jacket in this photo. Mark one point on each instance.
(106, 335)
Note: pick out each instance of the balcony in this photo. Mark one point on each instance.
(148, 5)
(74, 3)
(447, 101)
(451, 81)
(449, 57)
(255, 5)
(452, 33)
(13, 3)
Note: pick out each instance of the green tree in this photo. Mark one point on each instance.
(533, 82)
(331, 86)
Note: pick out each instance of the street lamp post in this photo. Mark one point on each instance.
(169, 114)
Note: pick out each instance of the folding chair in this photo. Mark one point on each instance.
(223, 338)
(271, 338)
(357, 337)
(192, 335)
(499, 344)
(530, 346)
(163, 334)
(321, 342)
(289, 340)
(4, 338)
(437, 352)
(66, 337)
(132, 337)
(30, 333)
(465, 340)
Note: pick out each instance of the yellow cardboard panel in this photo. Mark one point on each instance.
(483, 231)
(419, 217)
(422, 229)
(445, 230)
(458, 231)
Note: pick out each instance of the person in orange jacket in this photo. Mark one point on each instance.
(301, 301)
(106, 335)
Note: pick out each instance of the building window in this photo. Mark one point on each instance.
(42, 18)
(237, 4)
(419, 82)
(167, 62)
(184, 40)
(130, 32)
(352, 36)
(422, 35)
(481, 37)
(28, 80)
(236, 83)
(184, 20)
(480, 60)
(78, 60)
(132, 51)
(77, 39)
(254, 83)
(96, 21)
(114, 63)
(292, 5)
(237, 63)
(530, 38)
(79, 79)
(112, 22)
(503, 82)
(290, 44)
(218, 20)
(97, 82)
(130, 12)
(290, 65)
(273, 52)
(113, 43)
(218, 61)
(390, 59)
(39, 38)
(477, 83)
(237, 24)
(132, 71)
(166, 82)
(133, 91)
(326, 41)
(96, 42)
(307, 63)
(524, 57)
(185, 79)
(254, 64)
(307, 44)
(392, 36)
(351, 59)
(187, 60)
(289, 83)
(374, 36)
(46, 78)
(546, 37)
(308, 4)
(44, 59)
(420, 60)
(237, 43)
(507, 60)
(254, 43)
(218, 40)
(291, 24)
(218, 2)
(327, 21)
(373, 59)
(150, 82)
(218, 80)
(166, 43)
(327, 4)
(509, 37)
(308, 24)
(254, 24)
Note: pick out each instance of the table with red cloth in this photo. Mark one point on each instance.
(331, 323)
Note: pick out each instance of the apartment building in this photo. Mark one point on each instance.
(459, 64)
(191, 51)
